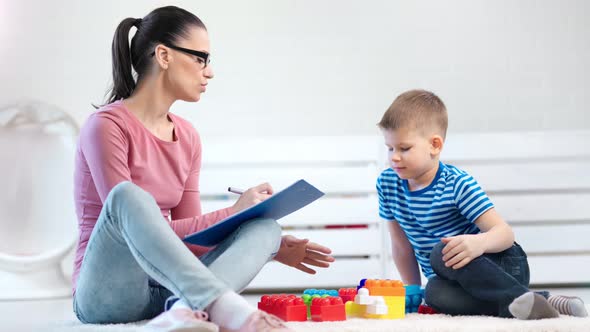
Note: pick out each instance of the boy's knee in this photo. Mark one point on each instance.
(436, 256)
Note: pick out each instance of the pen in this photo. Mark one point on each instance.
(235, 190)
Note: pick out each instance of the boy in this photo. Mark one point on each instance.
(441, 220)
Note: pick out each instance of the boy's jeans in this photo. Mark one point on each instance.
(485, 286)
(134, 261)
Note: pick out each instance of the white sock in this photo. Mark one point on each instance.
(531, 305)
(180, 303)
(568, 305)
(230, 310)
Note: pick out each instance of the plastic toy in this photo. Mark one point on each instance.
(426, 310)
(379, 299)
(286, 307)
(347, 294)
(327, 309)
(414, 296)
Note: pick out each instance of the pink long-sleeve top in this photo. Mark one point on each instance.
(114, 146)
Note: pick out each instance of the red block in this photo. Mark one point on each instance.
(424, 309)
(327, 309)
(347, 294)
(286, 307)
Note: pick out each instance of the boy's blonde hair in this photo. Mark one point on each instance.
(417, 109)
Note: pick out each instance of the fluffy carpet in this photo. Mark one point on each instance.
(412, 322)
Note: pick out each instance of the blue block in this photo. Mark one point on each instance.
(320, 292)
(414, 296)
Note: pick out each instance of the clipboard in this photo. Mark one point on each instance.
(280, 204)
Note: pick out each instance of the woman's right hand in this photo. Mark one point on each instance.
(253, 196)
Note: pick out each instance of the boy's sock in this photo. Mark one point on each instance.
(568, 305)
(230, 310)
(532, 306)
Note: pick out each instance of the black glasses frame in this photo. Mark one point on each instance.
(203, 55)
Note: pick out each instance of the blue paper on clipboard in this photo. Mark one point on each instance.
(280, 204)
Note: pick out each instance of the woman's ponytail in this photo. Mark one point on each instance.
(123, 81)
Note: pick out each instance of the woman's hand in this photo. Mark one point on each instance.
(296, 252)
(252, 196)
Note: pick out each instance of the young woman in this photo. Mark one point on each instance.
(137, 195)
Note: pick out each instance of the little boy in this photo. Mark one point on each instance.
(440, 219)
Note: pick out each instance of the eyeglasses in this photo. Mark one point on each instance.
(203, 58)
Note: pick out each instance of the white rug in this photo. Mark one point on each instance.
(412, 322)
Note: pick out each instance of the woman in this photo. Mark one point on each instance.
(137, 195)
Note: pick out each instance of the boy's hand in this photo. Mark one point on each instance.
(462, 249)
(296, 252)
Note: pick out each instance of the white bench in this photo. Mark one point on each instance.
(538, 181)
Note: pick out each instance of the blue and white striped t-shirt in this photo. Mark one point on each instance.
(447, 207)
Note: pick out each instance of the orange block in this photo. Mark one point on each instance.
(385, 287)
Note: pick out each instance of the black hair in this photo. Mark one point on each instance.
(164, 25)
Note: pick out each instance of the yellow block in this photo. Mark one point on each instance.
(355, 310)
(396, 308)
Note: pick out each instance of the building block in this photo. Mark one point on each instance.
(358, 306)
(396, 308)
(426, 310)
(286, 307)
(361, 284)
(383, 287)
(378, 307)
(307, 300)
(310, 293)
(363, 297)
(320, 292)
(354, 309)
(379, 299)
(347, 294)
(327, 309)
(414, 296)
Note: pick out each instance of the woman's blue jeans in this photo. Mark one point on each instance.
(134, 261)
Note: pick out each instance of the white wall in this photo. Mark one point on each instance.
(325, 67)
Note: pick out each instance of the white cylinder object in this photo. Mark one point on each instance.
(37, 216)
